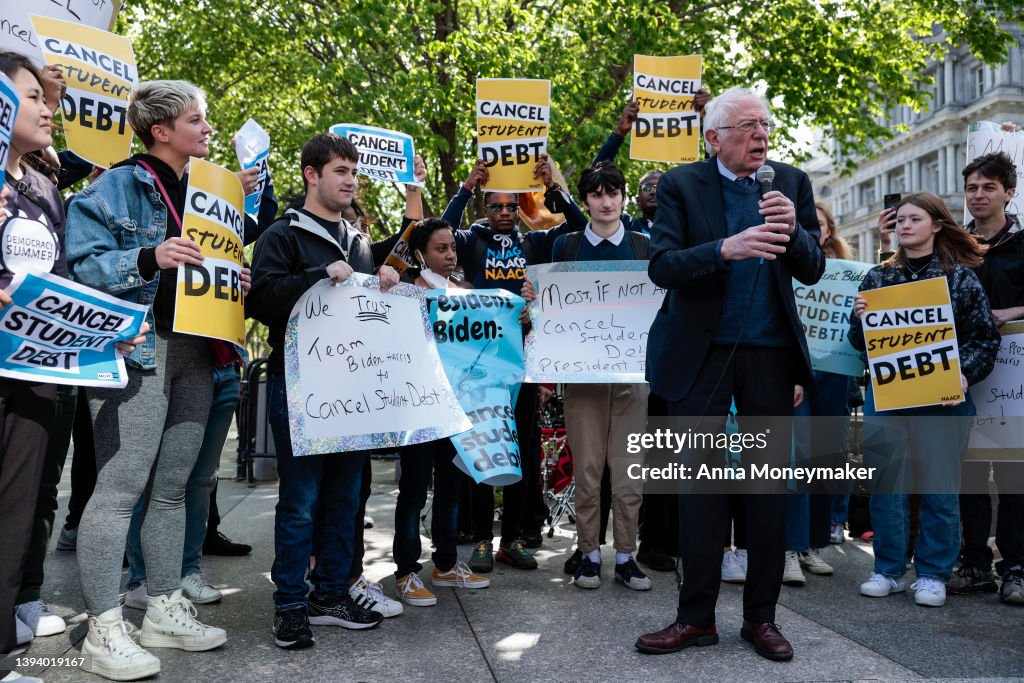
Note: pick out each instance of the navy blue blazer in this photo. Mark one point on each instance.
(685, 260)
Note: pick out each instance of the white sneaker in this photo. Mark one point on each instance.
(880, 585)
(23, 634)
(137, 598)
(15, 676)
(741, 557)
(792, 575)
(732, 570)
(812, 562)
(198, 591)
(371, 596)
(171, 622)
(109, 651)
(929, 592)
(38, 617)
(837, 535)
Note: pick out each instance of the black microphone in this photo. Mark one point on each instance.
(765, 176)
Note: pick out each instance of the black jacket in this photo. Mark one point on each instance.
(290, 257)
(1002, 272)
(686, 261)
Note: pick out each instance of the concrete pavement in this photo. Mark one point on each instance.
(537, 626)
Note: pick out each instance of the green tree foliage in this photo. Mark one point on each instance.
(298, 66)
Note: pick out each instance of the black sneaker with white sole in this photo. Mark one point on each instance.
(291, 629)
(340, 610)
(631, 576)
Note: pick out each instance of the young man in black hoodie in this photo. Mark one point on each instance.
(494, 254)
(304, 247)
(989, 184)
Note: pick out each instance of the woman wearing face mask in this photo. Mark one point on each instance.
(921, 449)
(432, 244)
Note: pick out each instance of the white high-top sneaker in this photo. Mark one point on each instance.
(171, 622)
(109, 651)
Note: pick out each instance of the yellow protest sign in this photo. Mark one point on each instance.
(666, 127)
(512, 118)
(209, 301)
(100, 71)
(910, 337)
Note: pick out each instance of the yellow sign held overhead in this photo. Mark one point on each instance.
(666, 127)
(209, 301)
(512, 120)
(100, 71)
(910, 337)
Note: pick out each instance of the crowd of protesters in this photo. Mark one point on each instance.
(726, 338)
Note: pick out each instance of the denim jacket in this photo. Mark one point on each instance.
(109, 222)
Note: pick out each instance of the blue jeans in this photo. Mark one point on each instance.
(417, 463)
(840, 507)
(916, 449)
(818, 441)
(308, 482)
(226, 387)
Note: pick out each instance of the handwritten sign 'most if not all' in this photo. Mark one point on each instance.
(363, 371)
(591, 320)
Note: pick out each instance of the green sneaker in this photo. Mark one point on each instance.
(516, 556)
(482, 559)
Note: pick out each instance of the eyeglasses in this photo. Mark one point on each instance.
(498, 208)
(649, 187)
(749, 126)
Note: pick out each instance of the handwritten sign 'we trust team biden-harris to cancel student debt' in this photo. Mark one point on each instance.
(911, 344)
(591, 320)
(363, 371)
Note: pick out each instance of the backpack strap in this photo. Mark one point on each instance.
(479, 251)
(641, 244)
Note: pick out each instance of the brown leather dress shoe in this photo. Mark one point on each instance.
(675, 637)
(768, 640)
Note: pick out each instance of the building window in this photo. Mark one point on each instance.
(930, 181)
(979, 81)
(868, 194)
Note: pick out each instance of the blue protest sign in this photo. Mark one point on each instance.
(825, 310)
(480, 341)
(252, 146)
(60, 332)
(383, 154)
(8, 113)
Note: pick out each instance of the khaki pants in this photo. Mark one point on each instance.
(597, 419)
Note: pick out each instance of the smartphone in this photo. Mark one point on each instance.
(891, 201)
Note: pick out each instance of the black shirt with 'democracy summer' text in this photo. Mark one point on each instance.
(32, 233)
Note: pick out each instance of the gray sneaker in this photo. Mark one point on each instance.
(1012, 592)
(968, 579)
(197, 589)
(68, 540)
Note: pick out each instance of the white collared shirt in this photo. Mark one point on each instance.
(595, 239)
(726, 172)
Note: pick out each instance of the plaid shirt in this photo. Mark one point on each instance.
(976, 331)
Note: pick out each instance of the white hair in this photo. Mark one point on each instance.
(718, 110)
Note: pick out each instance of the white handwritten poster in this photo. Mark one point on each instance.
(363, 371)
(591, 320)
(17, 35)
(998, 432)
